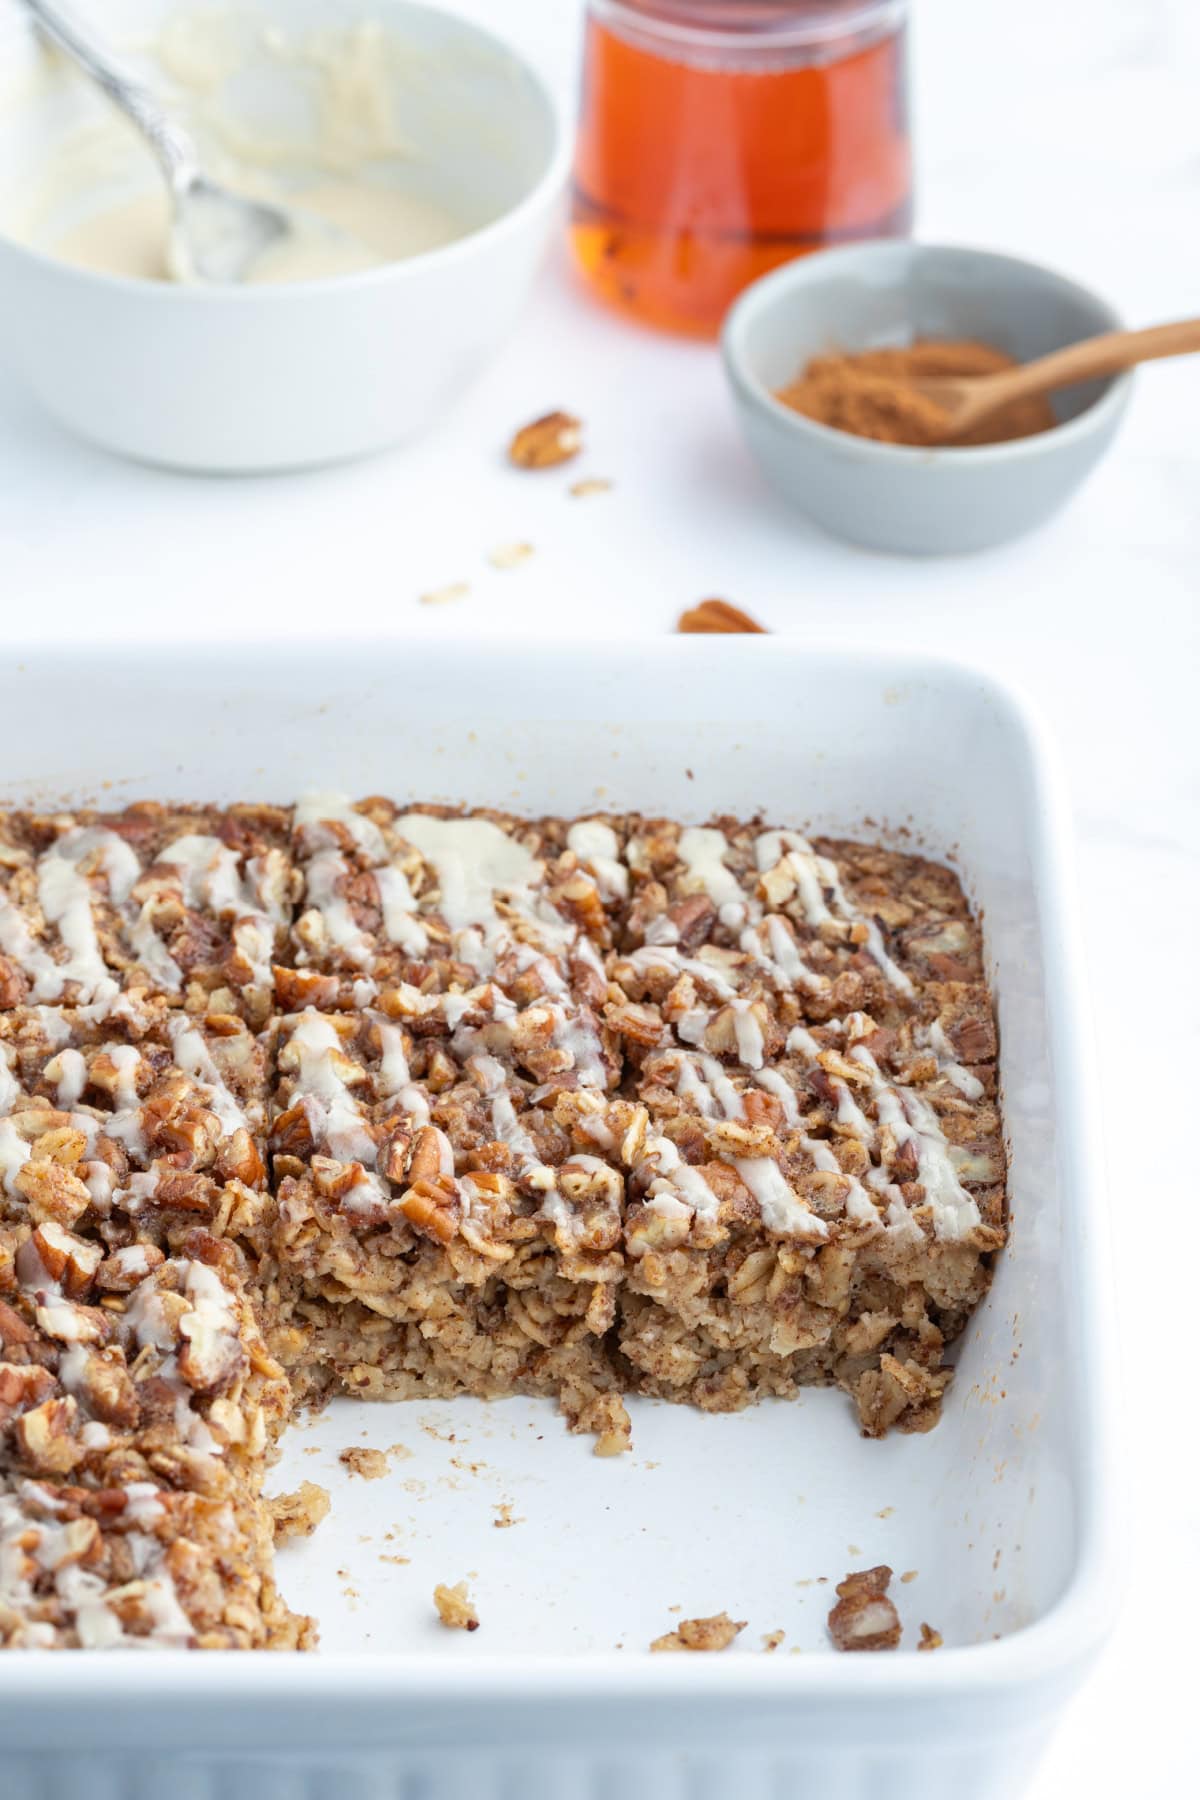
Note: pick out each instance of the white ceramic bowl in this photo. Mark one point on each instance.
(891, 496)
(257, 378)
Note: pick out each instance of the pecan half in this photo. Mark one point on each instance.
(717, 616)
(555, 438)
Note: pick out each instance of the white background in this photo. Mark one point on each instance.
(1064, 130)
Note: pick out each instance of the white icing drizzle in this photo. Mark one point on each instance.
(505, 1123)
(473, 860)
(210, 1315)
(16, 941)
(14, 1154)
(860, 1208)
(529, 957)
(849, 1112)
(663, 956)
(66, 900)
(54, 1027)
(557, 1208)
(9, 1090)
(774, 1083)
(574, 1034)
(595, 844)
(912, 1120)
(393, 1063)
(748, 1034)
(208, 872)
(333, 1109)
(812, 874)
(691, 1026)
(782, 1209)
(398, 904)
(317, 809)
(677, 1187)
(703, 1080)
(322, 876)
(193, 1056)
(949, 1066)
(152, 953)
(780, 958)
(124, 1122)
(117, 858)
(68, 1070)
(704, 849)
(806, 868)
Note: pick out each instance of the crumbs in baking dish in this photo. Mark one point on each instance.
(455, 1608)
(716, 1633)
(398, 1101)
(863, 1617)
(299, 1513)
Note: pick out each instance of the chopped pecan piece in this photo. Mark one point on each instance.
(121, 1272)
(864, 1618)
(13, 1328)
(52, 1191)
(22, 1386)
(44, 1437)
(693, 919)
(67, 1259)
(553, 439)
(425, 1206)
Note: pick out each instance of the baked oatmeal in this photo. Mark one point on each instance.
(190, 903)
(396, 1102)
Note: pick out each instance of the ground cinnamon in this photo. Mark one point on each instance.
(870, 394)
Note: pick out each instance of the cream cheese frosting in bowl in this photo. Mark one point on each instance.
(432, 148)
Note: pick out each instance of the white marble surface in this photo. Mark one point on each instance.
(1066, 130)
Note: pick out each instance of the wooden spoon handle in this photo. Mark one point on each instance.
(1104, 355)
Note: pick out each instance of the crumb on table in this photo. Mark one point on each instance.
(545, 443)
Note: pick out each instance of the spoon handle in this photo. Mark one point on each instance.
(1107, 354)
(173, 147)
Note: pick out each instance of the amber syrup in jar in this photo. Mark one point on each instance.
(719, 138)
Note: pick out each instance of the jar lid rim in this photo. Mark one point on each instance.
(752, 24)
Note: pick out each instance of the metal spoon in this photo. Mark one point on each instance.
(970, 399)
(215, 234)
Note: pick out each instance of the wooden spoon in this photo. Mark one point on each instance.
(969, 399)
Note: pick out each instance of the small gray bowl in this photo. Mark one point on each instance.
(891, 496)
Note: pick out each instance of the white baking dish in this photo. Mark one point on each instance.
(1004, 1511)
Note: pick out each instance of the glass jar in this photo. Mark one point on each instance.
(719, 138)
